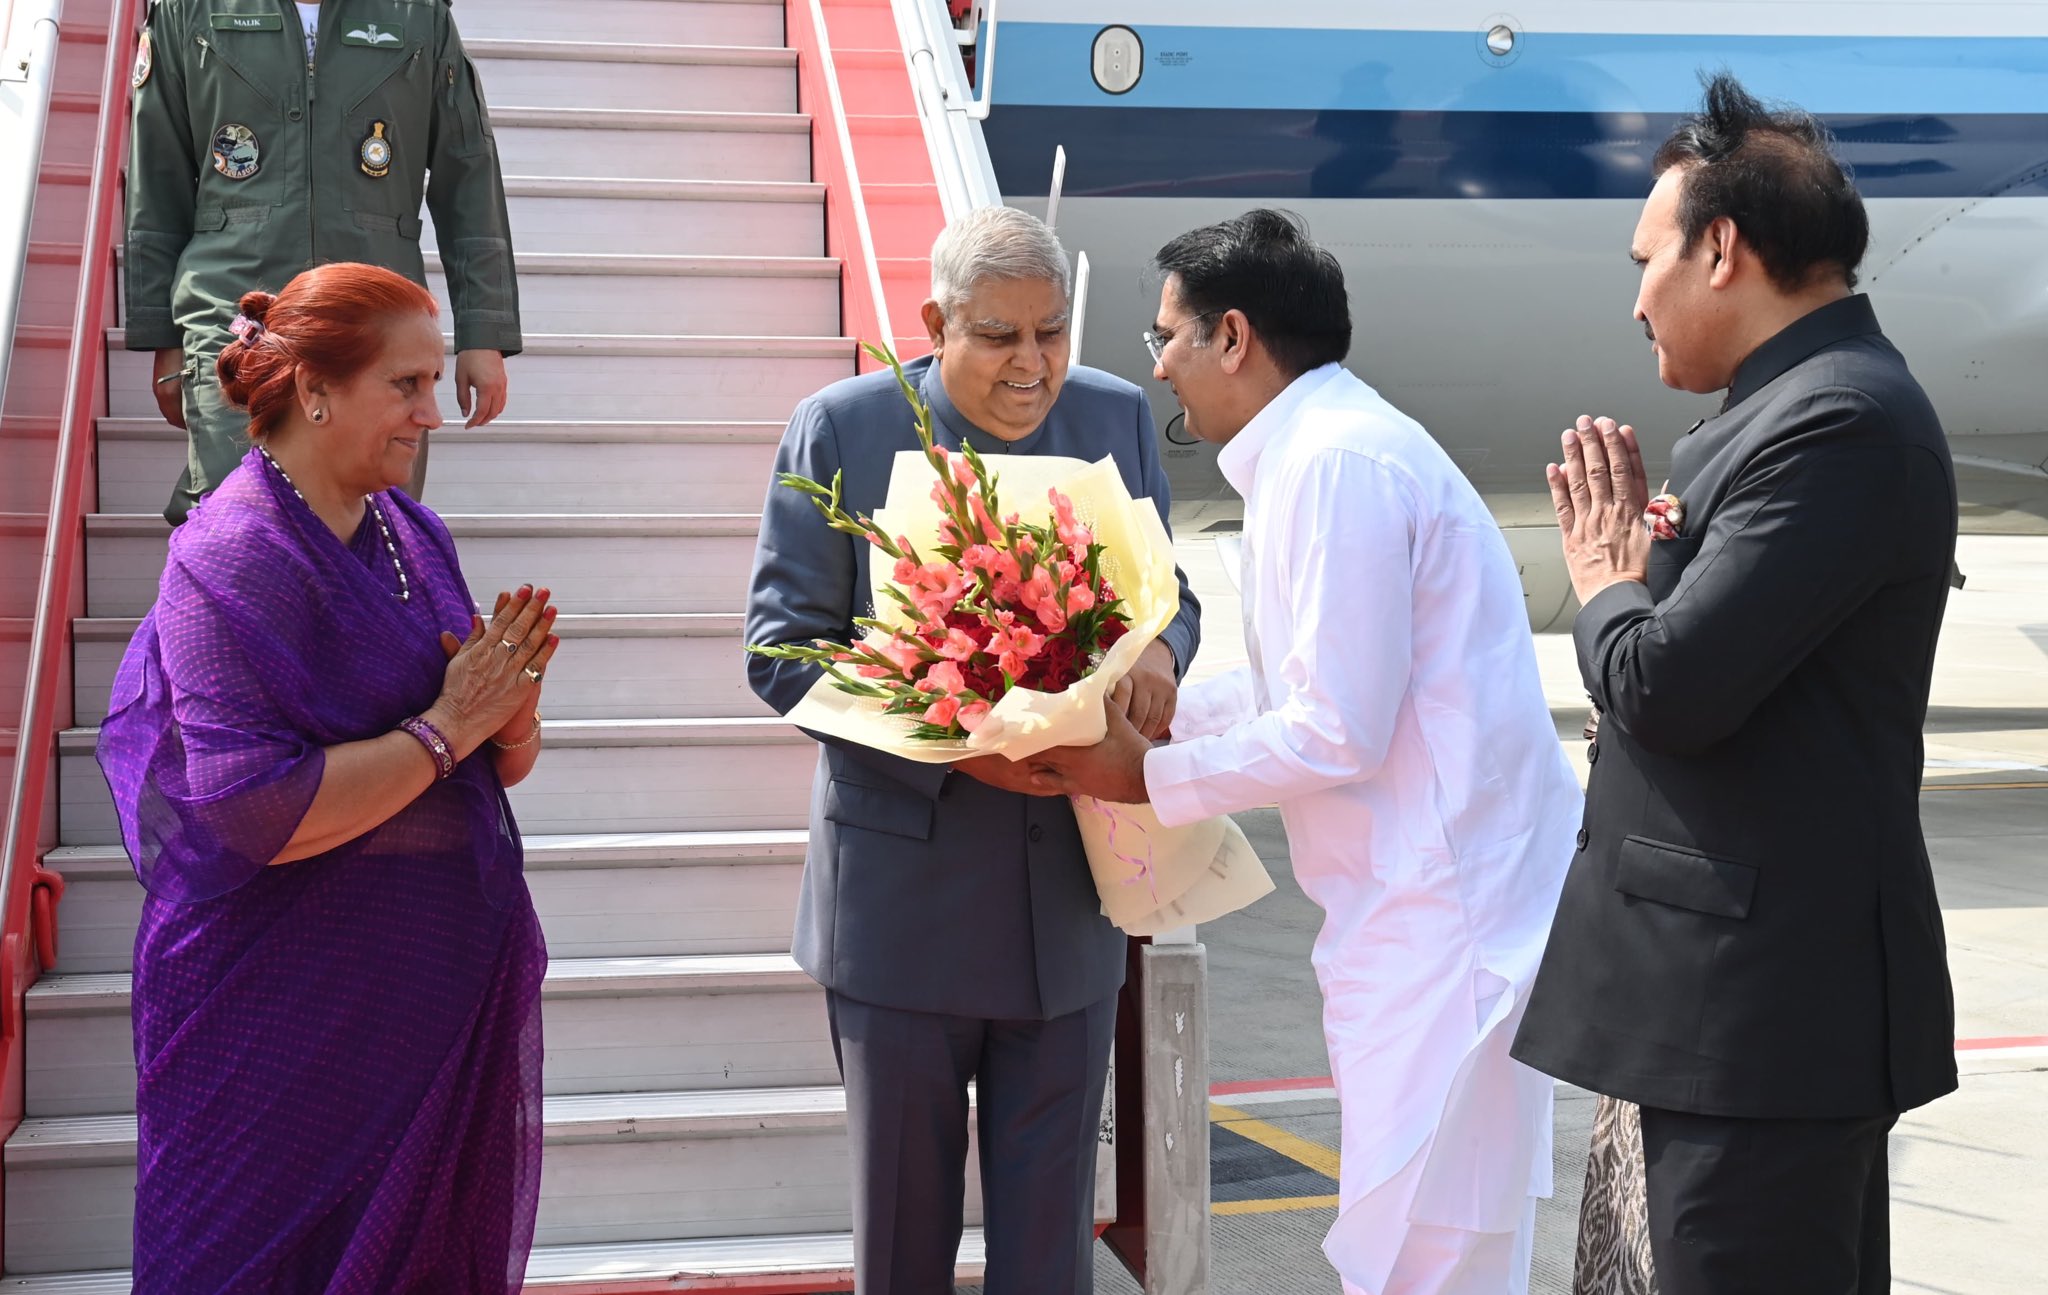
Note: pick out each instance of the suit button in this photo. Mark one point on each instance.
(1036, 834)
(1584, 836)
(1593, 753)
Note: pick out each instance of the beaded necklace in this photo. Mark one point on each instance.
(391, 547)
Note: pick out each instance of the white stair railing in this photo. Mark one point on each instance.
(28, 69)
(946, 104)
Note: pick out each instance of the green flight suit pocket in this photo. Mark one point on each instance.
(467, 117)
(242, 218)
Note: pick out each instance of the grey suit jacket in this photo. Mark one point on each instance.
(1750, 928)
(923, 889)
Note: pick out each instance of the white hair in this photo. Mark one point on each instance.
(995, 243)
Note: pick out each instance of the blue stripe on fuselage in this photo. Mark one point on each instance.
(1131, 151)
(1367, 69)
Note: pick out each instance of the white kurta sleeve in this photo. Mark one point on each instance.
(1346, 576)
(1214, 705)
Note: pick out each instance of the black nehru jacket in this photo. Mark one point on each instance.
(1750, 927)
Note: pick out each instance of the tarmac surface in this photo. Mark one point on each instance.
(1969, 1172)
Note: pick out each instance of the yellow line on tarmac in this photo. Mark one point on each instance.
(1983, 786)
(1278, 1205)
(1300, 1150)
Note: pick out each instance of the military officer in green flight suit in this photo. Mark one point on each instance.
(272, 136)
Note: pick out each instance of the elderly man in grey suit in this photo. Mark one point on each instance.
(949, 912)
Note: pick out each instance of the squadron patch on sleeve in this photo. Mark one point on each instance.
(236, 152)
(145, 63)
(376, 152)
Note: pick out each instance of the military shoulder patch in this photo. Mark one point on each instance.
(145, 63)
(236, 152)
(375, 36)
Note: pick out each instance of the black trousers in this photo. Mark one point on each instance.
(1038, 1112)
(1768, 1207)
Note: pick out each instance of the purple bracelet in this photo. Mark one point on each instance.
(435, 741)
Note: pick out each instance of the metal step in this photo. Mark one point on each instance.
(759, 296)
(662, 217)
(778, 1263)
(512, 466)
(677, 666)
(681, 775)
(646, 1166)
(617, 563)
(651, 144)
(612, 1025)
(588, 74)
(609, 378)
(707, 22)
(601, 895)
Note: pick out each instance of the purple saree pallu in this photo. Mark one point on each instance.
(339, 1058)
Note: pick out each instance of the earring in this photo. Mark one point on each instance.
(319, 415)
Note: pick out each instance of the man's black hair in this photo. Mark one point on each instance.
(1775, 175)
(1265, 264)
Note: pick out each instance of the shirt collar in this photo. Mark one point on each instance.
(946, 415)
(1239, 458)
(1815, 331)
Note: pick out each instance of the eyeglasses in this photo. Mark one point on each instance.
(1156, 342)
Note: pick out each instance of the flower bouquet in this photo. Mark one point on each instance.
(994, 633)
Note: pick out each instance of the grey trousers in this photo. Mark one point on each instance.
(217, 439)
(1038, 1098)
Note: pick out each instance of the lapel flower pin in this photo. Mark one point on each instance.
(1664, 518)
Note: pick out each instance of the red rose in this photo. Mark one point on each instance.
(1058, 666)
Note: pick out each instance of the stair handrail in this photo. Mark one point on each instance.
(62, 536)
(866, 308)
(952, 134)
(34, 68)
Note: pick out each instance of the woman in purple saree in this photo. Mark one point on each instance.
(337, 975)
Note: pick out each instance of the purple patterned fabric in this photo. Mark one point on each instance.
(339, 1058)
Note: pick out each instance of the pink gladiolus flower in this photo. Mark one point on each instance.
(1008, 592)
(906, 571)
(904, 656)
(1052, 615)
(963, 471)
(942, 712)
(972, 714)
(1079, 599)
(990, 561)
(874, 672)
(1072, 533)
(1027, 547)
(990, 530)
(945, 677)
(1037, 591)
(1010, 639)
(959, 646)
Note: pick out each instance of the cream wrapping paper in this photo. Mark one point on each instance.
(1151, 877)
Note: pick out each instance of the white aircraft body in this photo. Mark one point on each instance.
(1480, 172)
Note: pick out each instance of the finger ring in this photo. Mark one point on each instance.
(531, 673)
(508, 645)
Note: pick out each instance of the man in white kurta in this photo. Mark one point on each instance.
(1392, 710)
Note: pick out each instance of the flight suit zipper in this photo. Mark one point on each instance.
(298, 33)
(206, 46)
(403, 65)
